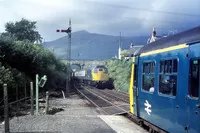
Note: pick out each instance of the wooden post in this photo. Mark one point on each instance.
(6, 112)
(67, 84)
(63, 94)
(31, 86)
(25, 94)
(36, 95)
(47, 103)
(17, 98)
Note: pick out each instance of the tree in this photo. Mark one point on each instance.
(124, 53)
(23, 30)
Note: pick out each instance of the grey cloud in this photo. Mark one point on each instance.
(131, 17)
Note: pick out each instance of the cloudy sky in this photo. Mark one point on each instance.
(131, 17)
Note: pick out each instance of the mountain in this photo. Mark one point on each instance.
(86, 45)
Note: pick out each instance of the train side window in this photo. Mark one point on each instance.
(175, 66)
(168, 77)
(135, 76)
(148, 76)
(162, 66)
(194, 78)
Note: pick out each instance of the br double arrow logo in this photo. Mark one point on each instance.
(148, 107)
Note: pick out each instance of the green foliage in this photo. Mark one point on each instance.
(120, 72)
(23, 30)
(6, 75)
(124, 53)
(21, 60)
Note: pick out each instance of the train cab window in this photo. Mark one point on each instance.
(168, 77)
(148, 76)
(105, 70)
(194, 78)
(95, 70)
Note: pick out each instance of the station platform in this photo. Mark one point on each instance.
(77, 116)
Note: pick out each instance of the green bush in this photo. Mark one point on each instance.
(20, 61)
(120, 72)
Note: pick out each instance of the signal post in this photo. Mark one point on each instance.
(68, 31)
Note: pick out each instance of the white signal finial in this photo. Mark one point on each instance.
(154, 32)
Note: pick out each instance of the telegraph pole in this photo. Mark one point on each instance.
(119, 49)
(68, 78)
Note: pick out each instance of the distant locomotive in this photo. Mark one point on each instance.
(164, 86)
(96, 76)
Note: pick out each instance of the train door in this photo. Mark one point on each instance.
(194, 90)
(131, 93)
(133, 88)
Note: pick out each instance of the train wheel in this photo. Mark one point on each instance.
(100, 86)
(96, 85)
(89, 83)
(140, 123)
(151, 130)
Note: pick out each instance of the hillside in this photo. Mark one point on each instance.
(87, 45)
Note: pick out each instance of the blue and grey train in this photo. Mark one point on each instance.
(164, 86)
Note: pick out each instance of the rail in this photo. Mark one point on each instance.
(98, 107)
(117, 95)
(102, 102)
(117, 106)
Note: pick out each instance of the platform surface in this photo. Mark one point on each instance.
(78, 116)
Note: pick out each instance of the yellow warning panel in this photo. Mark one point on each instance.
(131, 93)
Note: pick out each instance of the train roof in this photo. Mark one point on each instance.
(100, 66)
(188, 37)
(93, 67)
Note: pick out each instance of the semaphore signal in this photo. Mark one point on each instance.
(68, 31)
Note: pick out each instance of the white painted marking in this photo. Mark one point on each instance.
(120, 124)
(148, 107)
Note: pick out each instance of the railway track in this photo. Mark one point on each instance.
(122, 95)
(118, 105)
(117, 96)
(106, 103)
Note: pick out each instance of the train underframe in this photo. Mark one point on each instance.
(98, 84)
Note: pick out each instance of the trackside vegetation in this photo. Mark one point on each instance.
(21, 60)
(120, 72)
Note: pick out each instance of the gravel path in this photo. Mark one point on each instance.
(77, 116)
(61, 123)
